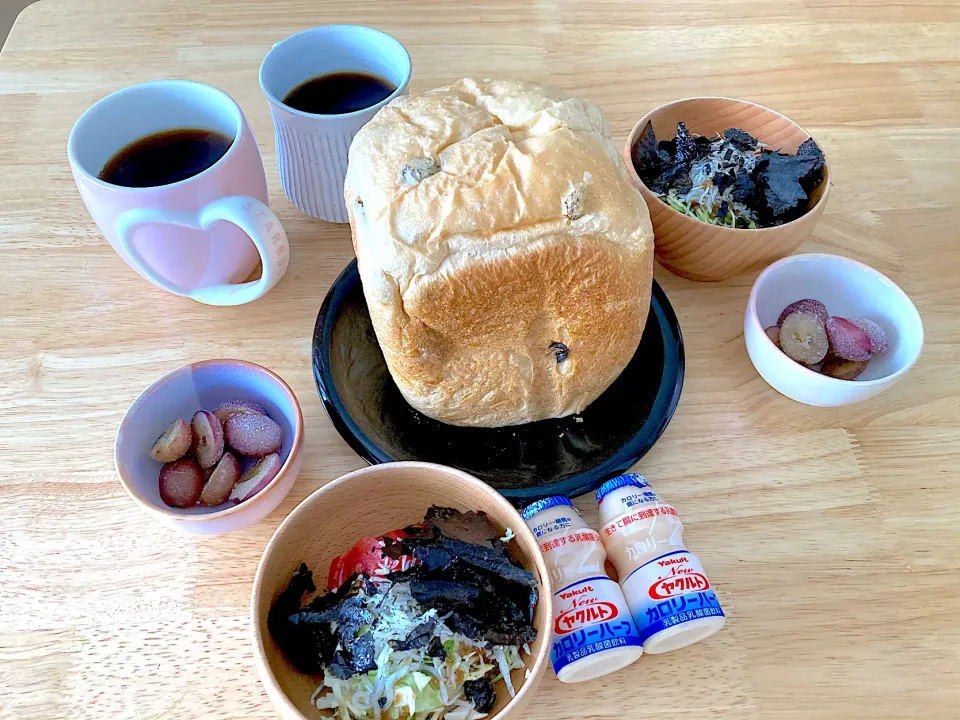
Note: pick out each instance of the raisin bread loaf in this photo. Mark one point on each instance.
(505, 257)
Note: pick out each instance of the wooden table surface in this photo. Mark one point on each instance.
(833, 535)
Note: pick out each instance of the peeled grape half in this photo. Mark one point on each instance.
(803, 337)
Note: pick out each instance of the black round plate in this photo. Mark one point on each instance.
(569, 456)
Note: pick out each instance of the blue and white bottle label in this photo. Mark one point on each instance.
(669, 590)
(590, 617)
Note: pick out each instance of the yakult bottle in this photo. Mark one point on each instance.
(593, 633)
(672, 601)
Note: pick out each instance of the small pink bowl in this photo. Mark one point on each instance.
(203, 386)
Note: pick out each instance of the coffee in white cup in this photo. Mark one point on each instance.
(323, 85)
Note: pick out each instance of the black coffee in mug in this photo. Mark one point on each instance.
(340, 92)
(165, 157)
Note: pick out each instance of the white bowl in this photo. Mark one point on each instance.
(849, 289)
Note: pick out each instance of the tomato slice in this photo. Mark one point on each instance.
(366, 557)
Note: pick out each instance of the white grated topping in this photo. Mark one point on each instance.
(408, 677)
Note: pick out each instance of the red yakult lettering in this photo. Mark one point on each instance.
(573, 593)
(578, 617)
(679, 585)
(673, 561)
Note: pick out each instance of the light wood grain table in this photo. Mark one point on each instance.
(833, 536)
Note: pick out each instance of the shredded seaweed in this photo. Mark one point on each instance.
(730, 180)
(427, 638)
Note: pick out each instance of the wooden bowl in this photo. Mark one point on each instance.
(370, 502)
(700, 251)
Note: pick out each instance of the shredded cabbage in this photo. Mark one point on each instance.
(409, 684)
(704, 201)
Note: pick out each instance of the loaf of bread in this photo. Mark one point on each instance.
(505, 257)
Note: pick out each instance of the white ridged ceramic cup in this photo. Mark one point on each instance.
(312, 149)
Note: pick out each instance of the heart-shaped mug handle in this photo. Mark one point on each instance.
(249, 214)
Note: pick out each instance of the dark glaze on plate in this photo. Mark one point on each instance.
(569, 456)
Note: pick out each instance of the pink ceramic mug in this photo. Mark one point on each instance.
(199, 237)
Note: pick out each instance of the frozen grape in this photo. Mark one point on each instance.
(806, 305)
(847, 341)
(257, 478)
(207, 438)
(253, 435)
(803, 337)
(221, 481)
(844, 369)
(773, 332)
(181, 483)
(174, 443)
(235, 407)
(878, 336)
